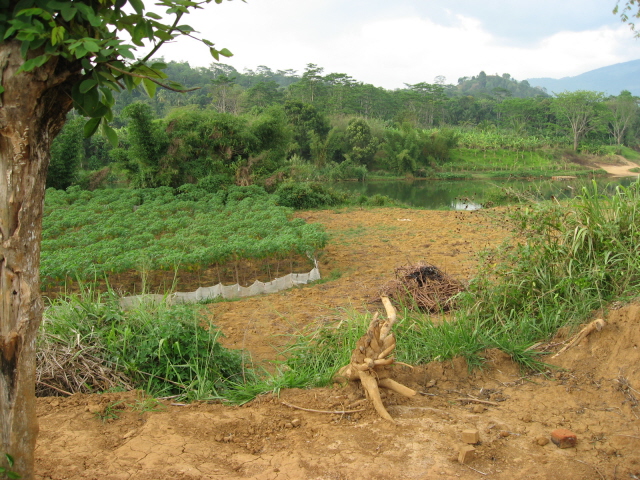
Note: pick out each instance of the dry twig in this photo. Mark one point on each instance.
(476, 400)
(333, 412)
(66, 369)
(593, 326)
(423, 286)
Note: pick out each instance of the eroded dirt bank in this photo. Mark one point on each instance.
(594, 393)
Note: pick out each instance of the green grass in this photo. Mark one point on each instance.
(165, 350)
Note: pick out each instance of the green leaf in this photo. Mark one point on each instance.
(87, 85)
(162, 35)
(91, 46)
(155, 16)
(107, 97)
(138, 6)
(91, 126)
(139, 32)
(99, 111)
(33, 63)
(68, 12)
(125, 51)
(24, 49)
(89, 101)
(94, 19)
(80, 52)
(57, 34)
(185, 28)
(149, 87)
(225, 52)
(111, 134)
(1, 89)
(128, 82)
(214, 53)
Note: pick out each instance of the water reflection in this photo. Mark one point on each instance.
(465, 205)
(473, 194)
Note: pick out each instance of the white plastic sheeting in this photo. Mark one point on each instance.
(225, 291)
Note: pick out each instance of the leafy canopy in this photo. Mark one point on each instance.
(87, 37)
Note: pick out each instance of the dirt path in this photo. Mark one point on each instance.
(595, 393)
(620, 170)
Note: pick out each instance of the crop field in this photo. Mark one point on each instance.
(89, 235)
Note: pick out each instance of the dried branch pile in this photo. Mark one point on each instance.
(423, 286)
(66, 370)
(371, 361)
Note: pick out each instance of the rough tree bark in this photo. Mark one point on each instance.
(33, 109)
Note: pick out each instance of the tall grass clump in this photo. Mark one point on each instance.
(165, 350)
(564, 261)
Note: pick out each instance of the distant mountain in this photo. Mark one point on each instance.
(610, 80)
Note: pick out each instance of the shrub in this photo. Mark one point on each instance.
(303, 196)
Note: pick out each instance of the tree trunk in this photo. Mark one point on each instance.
(33, 108)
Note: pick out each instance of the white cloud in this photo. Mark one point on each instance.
(391, 47)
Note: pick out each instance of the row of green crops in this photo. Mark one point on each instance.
(493, 140)
(113, 231)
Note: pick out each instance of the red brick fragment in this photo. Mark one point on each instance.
(564, 438)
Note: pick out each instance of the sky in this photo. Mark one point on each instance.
(390, 43)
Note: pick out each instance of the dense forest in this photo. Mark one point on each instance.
(265, 127)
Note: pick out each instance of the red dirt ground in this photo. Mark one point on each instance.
(594, 393)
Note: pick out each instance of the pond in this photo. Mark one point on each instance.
(471, 194)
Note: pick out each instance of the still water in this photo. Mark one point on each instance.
(471, 194)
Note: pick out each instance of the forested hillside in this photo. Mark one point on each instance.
(265, 127)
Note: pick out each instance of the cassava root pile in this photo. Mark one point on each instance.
(423, 286)
(371, 360)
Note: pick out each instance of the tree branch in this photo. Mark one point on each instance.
(137, 75)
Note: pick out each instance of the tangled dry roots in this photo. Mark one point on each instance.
(371, 361)
(63, 369)
(423, 286)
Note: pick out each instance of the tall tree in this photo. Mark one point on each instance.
(55, 55)
(581, 112)
(623, 111)
(66, 150)
(225, 94)
(311, 83)
(427, 100)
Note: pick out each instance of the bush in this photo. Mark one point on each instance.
(304, 196)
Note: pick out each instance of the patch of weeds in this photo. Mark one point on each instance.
(110, 412)
(7, 472)
(147, 404)
(218, 299)
(334, 274)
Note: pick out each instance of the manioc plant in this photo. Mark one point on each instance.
(371, 360)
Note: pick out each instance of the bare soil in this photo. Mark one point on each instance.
(594, 392)
(622, 168)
